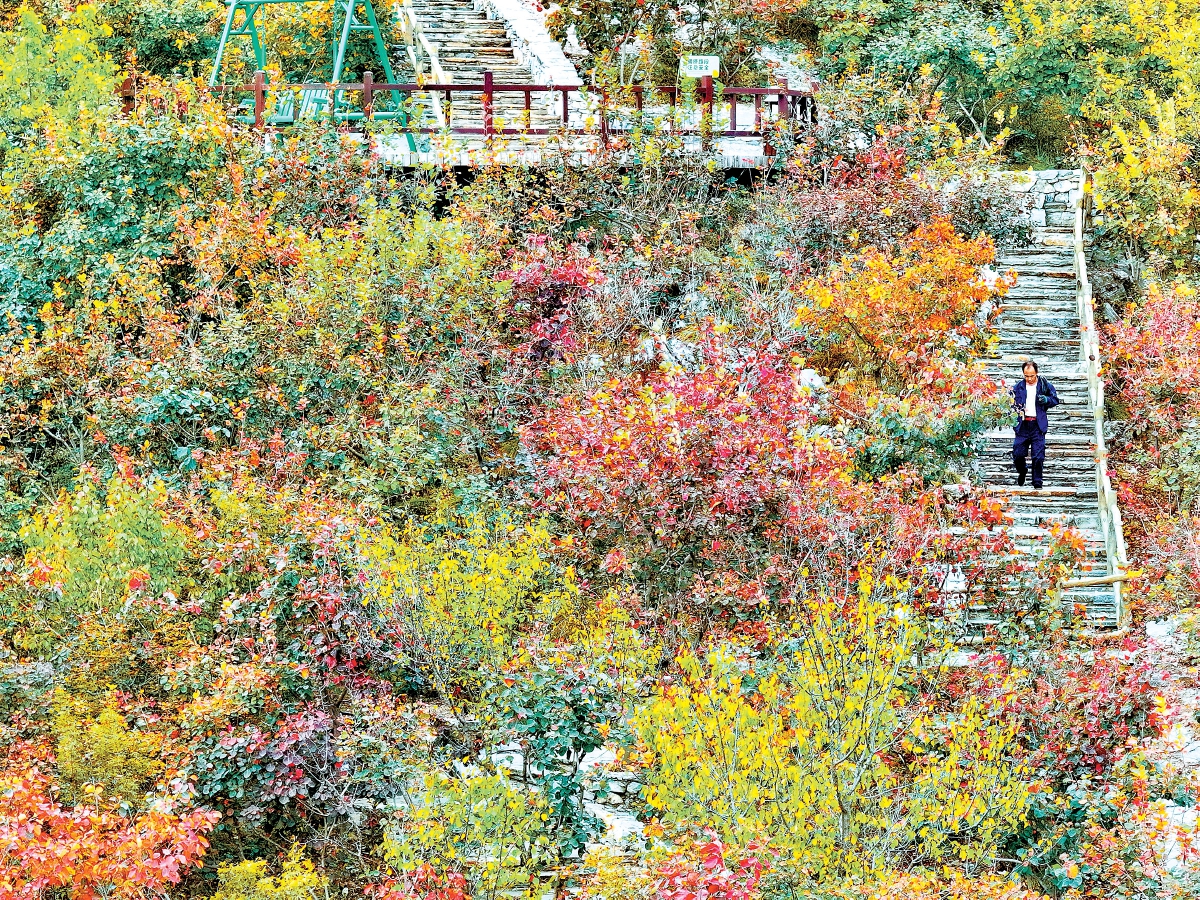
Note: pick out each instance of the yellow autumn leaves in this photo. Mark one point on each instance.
(818, 750)
(461, 593)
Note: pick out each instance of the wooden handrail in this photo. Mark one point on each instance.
(415, 87)
(1111, 525)
(1099, 582)
(794, 107)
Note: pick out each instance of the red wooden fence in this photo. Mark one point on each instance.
(792, 107)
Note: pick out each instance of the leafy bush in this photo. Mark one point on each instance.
(164, 37)
(480, 827)
(865, 315)
(84, 851)
(463, 597)
(94, 551)
(935, 431)
(104, 754)
(1146, 189)
(48, 76)
(766, 749)
(297, 880)
(557, 714)
(102, 193)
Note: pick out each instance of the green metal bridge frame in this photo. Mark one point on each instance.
(347, 21)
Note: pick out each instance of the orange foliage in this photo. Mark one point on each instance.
(891, 314)
(956, 887)
(88, 852)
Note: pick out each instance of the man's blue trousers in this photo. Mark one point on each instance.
(1029, 440)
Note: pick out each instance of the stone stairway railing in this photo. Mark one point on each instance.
(422, 52)
(532, 44)
(1089, 360)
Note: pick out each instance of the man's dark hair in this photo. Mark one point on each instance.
(1029, 362)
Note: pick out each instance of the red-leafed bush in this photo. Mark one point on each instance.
(1154, 402)
(423, 883)
(1096, 711)
(1155, 362)
(1083, 716)
(710, 872)
(675, 459)
(86, 851)
(547, 284)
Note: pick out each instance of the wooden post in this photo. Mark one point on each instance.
(126, 93)
(488, 123)
(706, 117)
(368, 94)
(566, 109)
(763, 126)
(604, 118)
(260, 98)
(785, 102)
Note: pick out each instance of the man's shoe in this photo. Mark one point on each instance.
(1037, 486)
(1021, 480)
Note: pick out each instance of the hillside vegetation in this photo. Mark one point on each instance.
(582, 529)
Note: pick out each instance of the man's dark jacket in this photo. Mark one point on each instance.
(1046, 398)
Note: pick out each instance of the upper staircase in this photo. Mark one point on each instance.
(461, 43)
(1040, 320)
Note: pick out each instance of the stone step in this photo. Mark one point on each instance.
(1036, 256)
(1057, 466)
(1019, 295)
(1058, 471)
(1049, 355)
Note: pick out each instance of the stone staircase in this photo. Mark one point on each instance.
(468, 44)
(1039, 320)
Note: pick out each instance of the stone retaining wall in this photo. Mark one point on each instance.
(1054, 193)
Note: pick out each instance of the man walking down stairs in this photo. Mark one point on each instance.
(1033, 398)
(1039, 320)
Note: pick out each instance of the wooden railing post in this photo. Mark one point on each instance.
(604, 118)
(488, 123)
(127, 93)
(260, 98)
(706, 116)
(368, 94)
(785, 103)
(763, 125)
